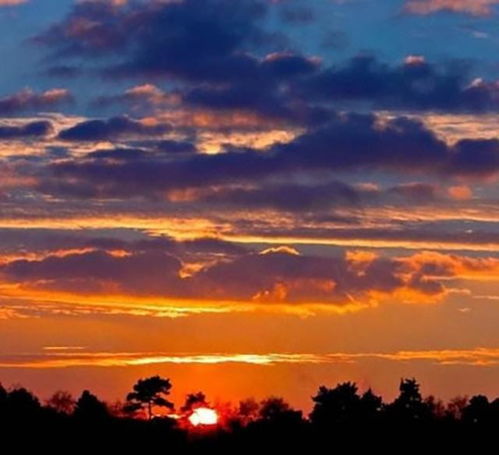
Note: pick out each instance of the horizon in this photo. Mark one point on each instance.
(182, 407)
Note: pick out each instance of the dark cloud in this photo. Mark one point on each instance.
(419, 192)
(415, 84)
(122, 154)
(91, 28)
(350, 143)
(229, 64)
(475, 157)
(287, 197)
(157, 38)
(313, 198)
(276, 275)
(150, 272)
(175, 147)
(151, 150)
(28, 130)
(45, 241)
(113, 128)
(28, 100)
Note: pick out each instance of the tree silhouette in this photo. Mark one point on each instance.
(21, 403)
(371, 406)
(273, 407)
(148, 393)
(340, 405)
(277, 411)
(341, 417)
(62, 402)
(3, 395)
(89, 407)
(436, 407)
(409, 405)
(456, 406)
(193, 401)
(477, 411)
(248, 410)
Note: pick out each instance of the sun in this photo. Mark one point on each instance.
(203, 416)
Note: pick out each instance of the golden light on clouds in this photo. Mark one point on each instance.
(484, 357)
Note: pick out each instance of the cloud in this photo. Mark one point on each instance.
(351, 142)
(150, 47)
(140, 96)
(305, 91)
(474, 7)
(99, 271)
(483, 357)
(474, 157)
(113, 128)
(415, 85)
(232, 63)
(33, 129)
(29, 100)
(12, 2)
(443, 265)
(460, 192)
(279, 275)
(287, 197)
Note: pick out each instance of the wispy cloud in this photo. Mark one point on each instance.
(484, 357)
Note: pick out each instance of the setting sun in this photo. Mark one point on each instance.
(203, 416)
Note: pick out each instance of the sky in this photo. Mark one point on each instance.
(249, 197)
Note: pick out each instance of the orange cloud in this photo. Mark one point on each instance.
(444, 265)
(359, 260)
(460, 192)
(153, 282)
(474, 7)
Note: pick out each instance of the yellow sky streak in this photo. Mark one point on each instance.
(169, 307)
(194, 229)
(363, 243)
(476, 357)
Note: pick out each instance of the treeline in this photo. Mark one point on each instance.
(341, 417)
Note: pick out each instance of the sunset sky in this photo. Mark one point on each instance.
(250, 197)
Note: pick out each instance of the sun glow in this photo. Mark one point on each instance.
(203, 416)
